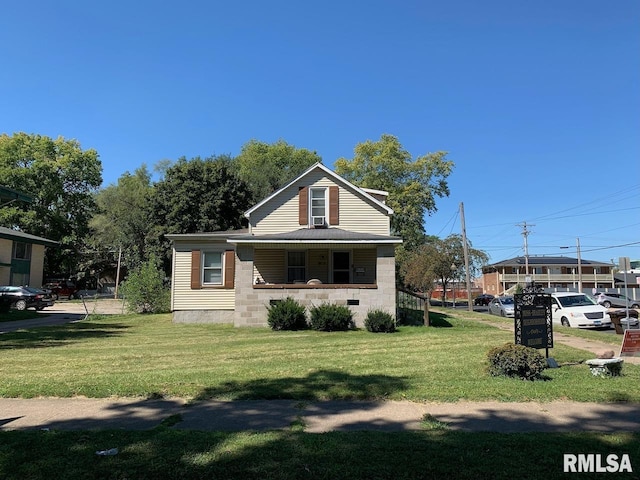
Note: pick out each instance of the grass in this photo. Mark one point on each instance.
(149, 356)
(164, 453)
(134, 355)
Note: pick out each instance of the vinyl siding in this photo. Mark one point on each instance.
(280, 214)
(367, 259)
(185, 298)
(269, 265)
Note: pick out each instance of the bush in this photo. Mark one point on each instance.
(144, 290)
(516, 361)
(331, 318)
(379, 321)
(287, 315)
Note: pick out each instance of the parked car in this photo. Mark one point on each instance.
(573, 309)
(22, 298)
(502, 306)
(611, 299)
(62, 288)
(483, 299)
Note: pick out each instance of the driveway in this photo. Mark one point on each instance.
(66, 312)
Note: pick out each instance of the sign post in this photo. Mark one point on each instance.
(532, 320)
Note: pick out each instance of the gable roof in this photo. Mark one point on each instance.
(19, 236)
(337, 178)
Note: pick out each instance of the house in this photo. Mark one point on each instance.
(549, 272)
(319, 239)
(22, 257)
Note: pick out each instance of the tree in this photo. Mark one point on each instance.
(413, 185)
(443, 259)
(267, 167)
(419, 273)
(62, 179)
(123, 218)
(198, 195)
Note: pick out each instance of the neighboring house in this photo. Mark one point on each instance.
(319, 239)
(550, 272)
(22, 257)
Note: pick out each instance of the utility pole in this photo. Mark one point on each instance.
(580, 266)
(466, 257)
(525, 234)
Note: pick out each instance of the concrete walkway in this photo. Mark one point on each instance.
(315, 417)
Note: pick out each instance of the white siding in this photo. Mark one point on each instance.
(357, 214)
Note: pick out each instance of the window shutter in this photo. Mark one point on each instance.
(195, 270)
(229, 268)
(303, 206)
(334, 206)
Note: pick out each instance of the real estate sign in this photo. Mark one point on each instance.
(630, 344)
(532, 323)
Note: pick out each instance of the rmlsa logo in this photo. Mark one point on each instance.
(596, 463)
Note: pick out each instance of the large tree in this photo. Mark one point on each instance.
(413, 184)
(267, 167)
(61, 178)
(123, 221)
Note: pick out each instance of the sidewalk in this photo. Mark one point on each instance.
(316, 417)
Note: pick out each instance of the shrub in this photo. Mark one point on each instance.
(516, 361)
(330, 318)
(144, 290)
(379, 321)
(287, 315)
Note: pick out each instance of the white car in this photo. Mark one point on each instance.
(573, 309)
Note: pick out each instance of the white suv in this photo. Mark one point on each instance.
(573, 309)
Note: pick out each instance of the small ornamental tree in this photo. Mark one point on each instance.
(144, 290)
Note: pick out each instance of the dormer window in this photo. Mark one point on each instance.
(318, 206)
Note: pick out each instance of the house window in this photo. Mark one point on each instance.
(212, 265)
(318, 206)
(341, 267)
(21, 251)
(296, 267)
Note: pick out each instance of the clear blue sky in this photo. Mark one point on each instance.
(537, 102)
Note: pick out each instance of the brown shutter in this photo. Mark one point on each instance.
(229, 268)
(334, 206)
(303, 206)
(195, 270)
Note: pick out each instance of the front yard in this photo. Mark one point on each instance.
(134, 355)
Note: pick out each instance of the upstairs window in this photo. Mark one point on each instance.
(21, 251)
(318, 207)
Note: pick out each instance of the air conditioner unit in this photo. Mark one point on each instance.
(318, 221)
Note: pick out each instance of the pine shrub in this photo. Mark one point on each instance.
(516, 361)
(287, 314)
(379, 321)
(330, 318)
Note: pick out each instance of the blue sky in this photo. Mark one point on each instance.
(537, 103)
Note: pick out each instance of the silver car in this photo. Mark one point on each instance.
(502, 306)
(611, 299)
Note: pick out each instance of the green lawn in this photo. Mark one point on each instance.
(164, 453)
(134, 355)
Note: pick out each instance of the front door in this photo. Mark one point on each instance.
(341, 267)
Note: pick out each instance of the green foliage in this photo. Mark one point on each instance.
(331, 318)
(201, 195)
(379, 321)
(61, 178)
(413, 185)
(516, 361)
(144, 290)
(287, 314)
(267, 167)
(123, 219)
